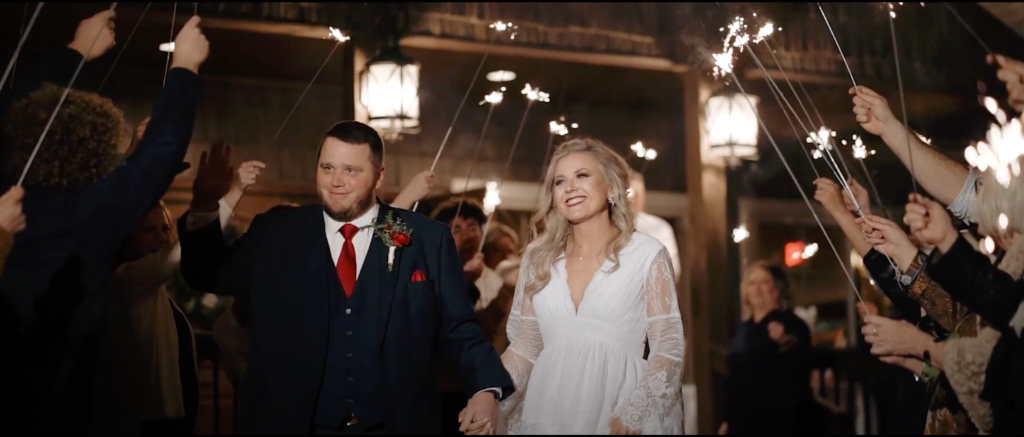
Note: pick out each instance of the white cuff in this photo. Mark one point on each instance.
(497, 392)
(196, 220)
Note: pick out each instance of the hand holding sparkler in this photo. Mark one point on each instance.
(419, 188)
(829, 195)
(12, 219)
(190, 47)
(884, 235)
(860, 197)
(930, 223)
(98, 28)
(873, 112)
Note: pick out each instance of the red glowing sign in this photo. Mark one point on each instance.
(794, 253)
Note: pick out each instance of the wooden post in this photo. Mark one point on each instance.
(705, 244)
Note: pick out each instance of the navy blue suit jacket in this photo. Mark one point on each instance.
(282, 267)
(53, 290)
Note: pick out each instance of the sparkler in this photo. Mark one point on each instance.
(339, 38)
(499, 27)
(533, 95)
(968, 27)
(554, 128)
(21, 42)
(167, 65)
(799, 188)
(125, 46)
(63, 96)
(903, 101)
(1002, 147)
(493, 99)
(723, 65)
(739, 234)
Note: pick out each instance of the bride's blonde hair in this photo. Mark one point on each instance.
(551, 230)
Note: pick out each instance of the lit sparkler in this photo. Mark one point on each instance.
(535, 94)
(739, 234)
(1003, 145)
(337, 35)
(501, 26)
(492, 198)
(860, 151)
(494, 98)
(557, 128)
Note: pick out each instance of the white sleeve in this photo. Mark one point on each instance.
(655, 406)
(525, 345)
(963, 206)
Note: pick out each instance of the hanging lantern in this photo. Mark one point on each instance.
(389, 90)
(731, 125)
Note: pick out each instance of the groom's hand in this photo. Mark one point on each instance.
(480, 417)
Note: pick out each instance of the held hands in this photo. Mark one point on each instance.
(1011, 72)
(101, 24)
(419, 188)
(190, 47)
(11, 218)
(214, 178)
(888, 238)
(873, 111)
(891, 337)
(930, 223)
(480, 417)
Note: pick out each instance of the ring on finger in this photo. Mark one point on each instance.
(874, 331)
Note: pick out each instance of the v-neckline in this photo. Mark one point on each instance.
(586, 289)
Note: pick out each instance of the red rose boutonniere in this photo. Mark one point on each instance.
(394, 233)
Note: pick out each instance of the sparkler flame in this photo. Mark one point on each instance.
(337, 35)
(860, 151)
(739, 234)
(558, 128)
(535, 94)
(1002, 147)
(735, 40)
(501, 26)
(492, 198)
(494, 98)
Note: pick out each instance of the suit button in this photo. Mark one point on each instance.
(348, 332)
(348, 310)
(348, 400)
(348, 355)
(348, 378)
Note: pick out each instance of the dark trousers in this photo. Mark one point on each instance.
(452, 404)
(165, 427)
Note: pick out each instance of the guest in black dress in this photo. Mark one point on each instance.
(769, 360)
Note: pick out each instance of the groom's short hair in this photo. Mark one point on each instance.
(354, 132)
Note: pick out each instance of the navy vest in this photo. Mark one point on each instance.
(352, 385)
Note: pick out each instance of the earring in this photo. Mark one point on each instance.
(611, 199)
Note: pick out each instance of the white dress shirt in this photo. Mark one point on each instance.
(335, 240)
(657, 227)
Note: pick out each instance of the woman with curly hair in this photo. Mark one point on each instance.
(590, 292)
(82, 206)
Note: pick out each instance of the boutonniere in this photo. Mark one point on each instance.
(394, 233)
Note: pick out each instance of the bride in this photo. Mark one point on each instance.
(590, 292)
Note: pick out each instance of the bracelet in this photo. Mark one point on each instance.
(914, 269)
(928, 373)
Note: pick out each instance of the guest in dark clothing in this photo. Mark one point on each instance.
(769, 361)
(53, 291)
(465, 216)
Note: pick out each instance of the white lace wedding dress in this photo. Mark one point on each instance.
(575, 372)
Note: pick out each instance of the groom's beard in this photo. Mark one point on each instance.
(351, 213)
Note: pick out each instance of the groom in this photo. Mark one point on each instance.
(349, 301)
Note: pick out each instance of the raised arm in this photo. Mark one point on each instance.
(119, 201)
(937, 173)
(655, 406)
(525, 345)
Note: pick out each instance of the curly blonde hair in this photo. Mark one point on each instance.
(995, 199)
(551, 230)
(80, 148)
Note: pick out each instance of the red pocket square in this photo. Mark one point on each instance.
(419, 276)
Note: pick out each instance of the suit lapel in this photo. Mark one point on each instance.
(386, 292)
(319, 257)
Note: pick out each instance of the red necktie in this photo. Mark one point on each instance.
(347, 260)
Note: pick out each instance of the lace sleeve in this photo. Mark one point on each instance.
(655, 406)
(966, 360)
(525, 344)
(963, 206)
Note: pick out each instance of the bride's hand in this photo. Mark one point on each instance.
(617, 428)
(477, 427)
